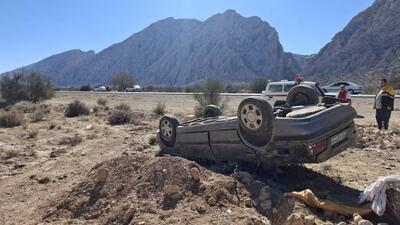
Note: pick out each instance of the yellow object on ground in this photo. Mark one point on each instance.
(308, 197)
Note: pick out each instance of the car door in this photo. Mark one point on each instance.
(275, 90)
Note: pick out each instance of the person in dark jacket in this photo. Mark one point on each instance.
(384, 103)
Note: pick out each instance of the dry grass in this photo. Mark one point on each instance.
(102, 101)
(118, 117)
(70, 140)
(11, 119)
(159, 109)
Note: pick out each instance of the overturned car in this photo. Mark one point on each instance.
(302, 129)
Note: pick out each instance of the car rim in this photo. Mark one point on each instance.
(166, 129)
(251, 117)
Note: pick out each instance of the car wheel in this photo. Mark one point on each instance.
(255, 121)
(211, 111)
(168, 127)
(302, 95)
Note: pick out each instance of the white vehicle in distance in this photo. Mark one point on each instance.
(335, 87)
(134, 88)
(281, 88)
(100, 88)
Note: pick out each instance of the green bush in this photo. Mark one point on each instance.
(76, 108)
(10, 119)
(210, 95)
(29, 87)
(159, 109)
(258, 85)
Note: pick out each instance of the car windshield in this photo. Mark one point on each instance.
(275, 88)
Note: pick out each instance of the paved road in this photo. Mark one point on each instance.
(184, 93)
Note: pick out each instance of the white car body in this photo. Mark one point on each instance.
(335, 87)
(135, 88)
(100, 88)
(281, 88)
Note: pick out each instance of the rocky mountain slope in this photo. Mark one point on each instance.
(370, 43)
(181, 51)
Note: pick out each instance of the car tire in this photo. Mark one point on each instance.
(255, 117)
(211, 111)
(302, 95)
(167, 128)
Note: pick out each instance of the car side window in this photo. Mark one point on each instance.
(287, 87)
(275, 88)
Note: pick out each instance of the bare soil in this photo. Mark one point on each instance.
(84, 171)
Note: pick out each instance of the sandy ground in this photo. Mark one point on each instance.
(40, 163)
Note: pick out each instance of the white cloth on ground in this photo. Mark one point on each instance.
(376, 192)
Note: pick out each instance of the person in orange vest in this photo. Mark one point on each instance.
(344, 94)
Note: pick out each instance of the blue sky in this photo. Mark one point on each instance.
(31, 30)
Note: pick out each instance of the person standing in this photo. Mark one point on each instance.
(344, 95)
(384, 103)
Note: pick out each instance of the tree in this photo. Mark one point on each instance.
(123, 80)
(29, 87)
(258, 85)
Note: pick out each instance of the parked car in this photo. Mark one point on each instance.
(335, 87)
(100, 88)
(134, 88)
(262, 135)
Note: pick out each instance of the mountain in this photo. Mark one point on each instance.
(369, 44)
(180, 51)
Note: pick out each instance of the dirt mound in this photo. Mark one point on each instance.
(148, 190)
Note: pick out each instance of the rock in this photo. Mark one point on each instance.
(265, 205)
(248, 203)
(342, 223)
(264, 193)
(201, 209)
(309, 220)
(364, 222)
(212, 201)
(43, 180)
(244, 177)
(356, 217)
(294, 219)
(170, 189)
(89, 127)
(101, 175)
(195, 173)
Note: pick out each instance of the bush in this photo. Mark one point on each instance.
(85, 87)
(159, 110)
(210, 95)
(70, 140)
(394, 81)
(25, 107)
(258, 85)
(102, 101)
(117, 117)
(29, 87)
(37, 115)
(123, 107)
(10, 119)
(76, 108)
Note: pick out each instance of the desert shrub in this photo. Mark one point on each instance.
(29, 87)
(123, 80)
(102, 101)
(370, 90)
(76, 108)
(210, 95)
(37, 115)
(25, 107)
(123, 107)
(258, 85)
(159, 109)
(10, 119)
(70, 140)
(118, 117)
(85, 87)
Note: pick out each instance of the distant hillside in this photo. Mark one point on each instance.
(181, 51)
(369, 44)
